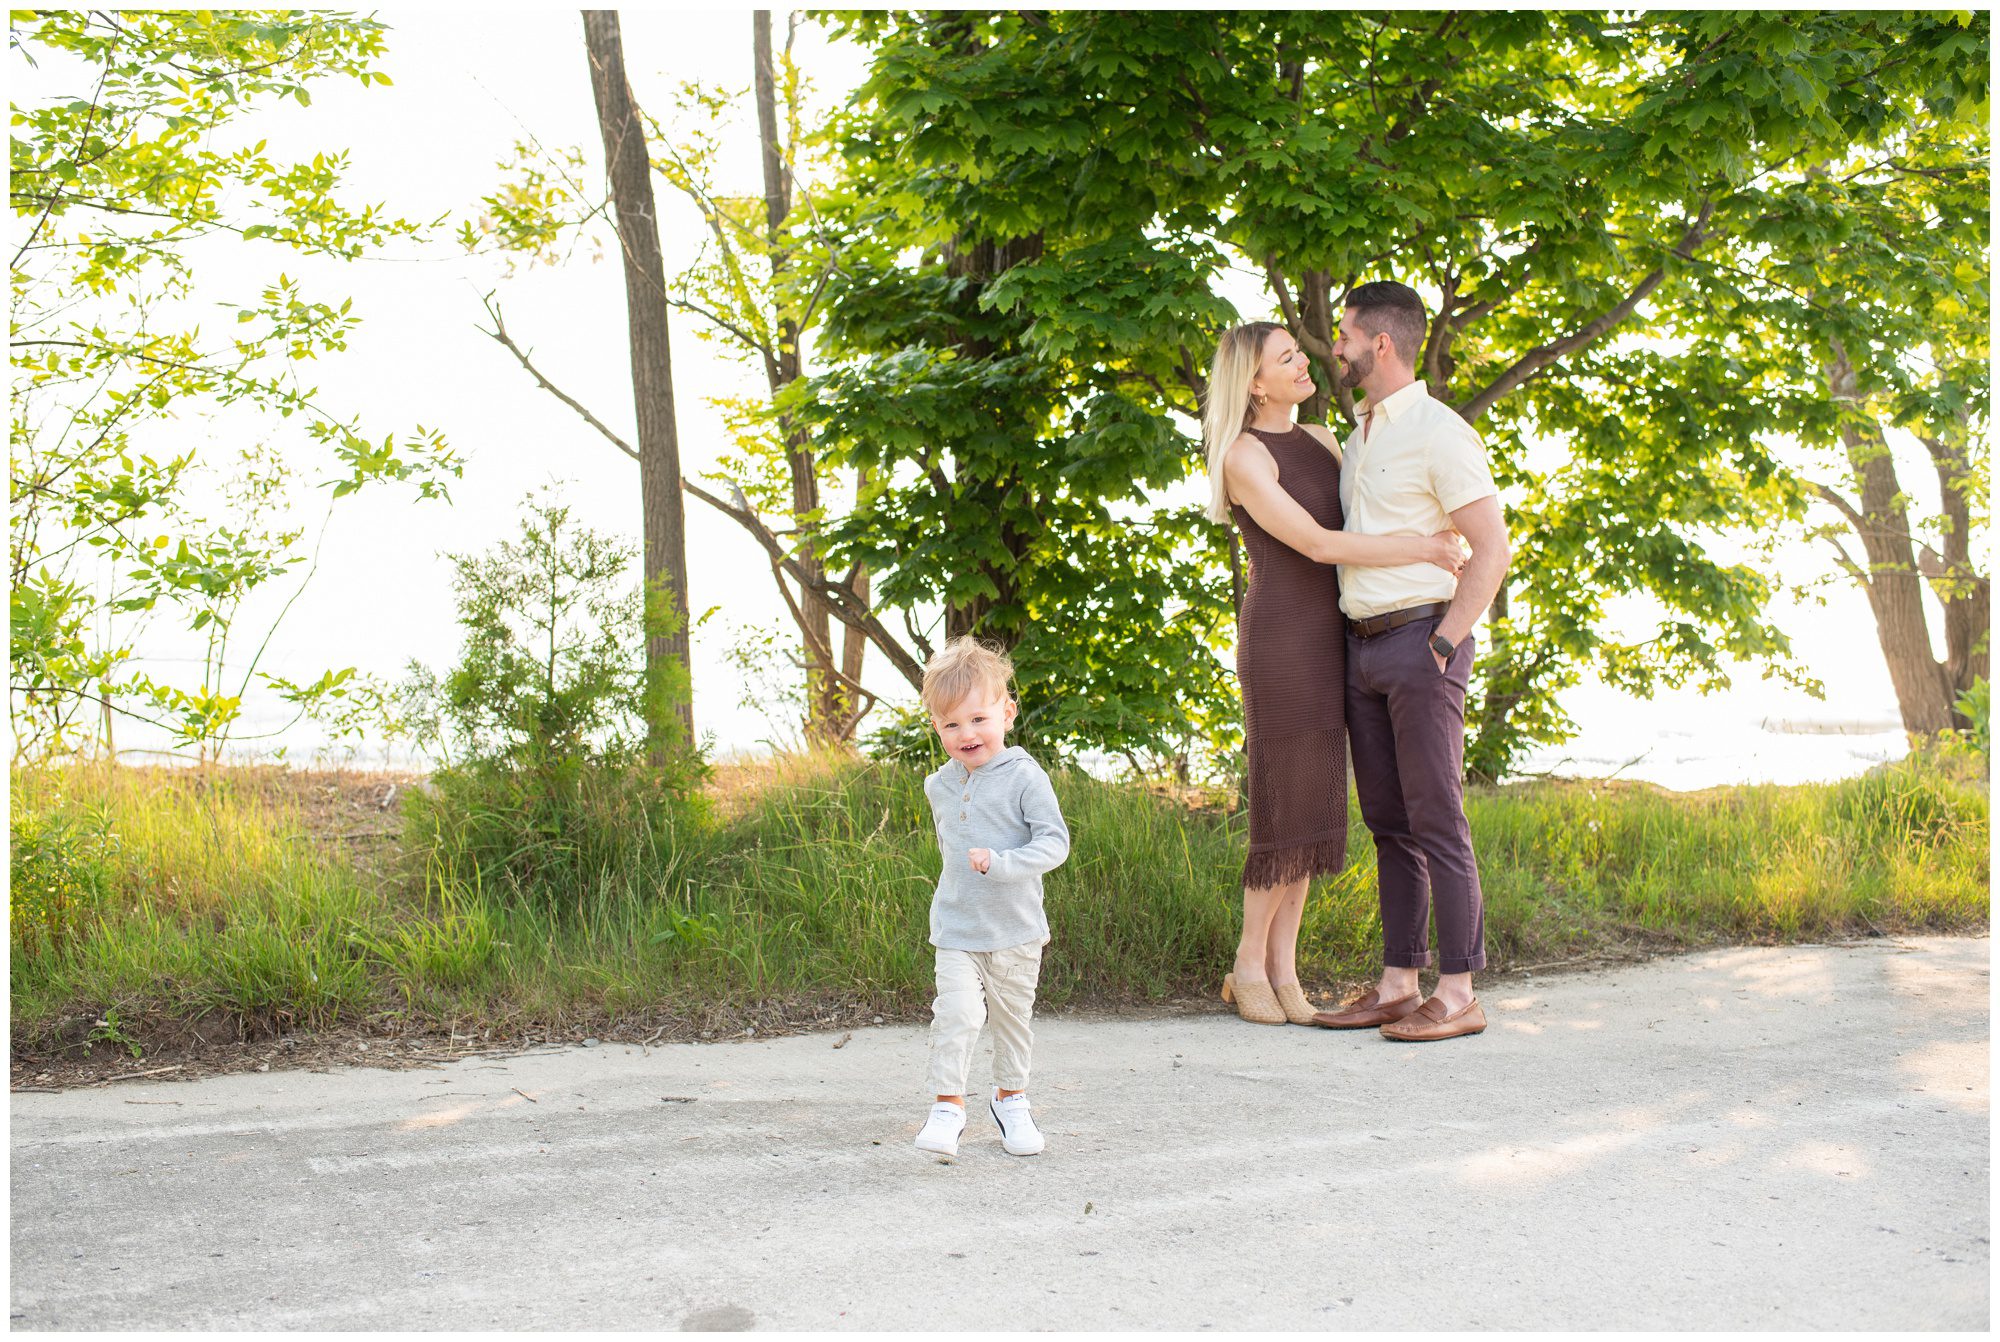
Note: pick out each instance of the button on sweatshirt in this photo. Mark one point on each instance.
(1007, 806)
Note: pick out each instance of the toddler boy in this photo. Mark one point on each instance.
(999, 829)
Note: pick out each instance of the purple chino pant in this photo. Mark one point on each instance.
(1406, 726)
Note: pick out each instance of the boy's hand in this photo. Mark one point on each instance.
(982, 858)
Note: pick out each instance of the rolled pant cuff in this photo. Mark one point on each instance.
(1406, 959)
(1468, 965)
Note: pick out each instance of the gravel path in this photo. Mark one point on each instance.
(1790, 1138)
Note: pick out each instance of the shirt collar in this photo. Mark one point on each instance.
(1395, 405)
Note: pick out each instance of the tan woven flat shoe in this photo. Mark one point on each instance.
(1292, 1000)
(1255, 1002)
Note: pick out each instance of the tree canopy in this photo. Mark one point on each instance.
(119, 181)
(1073, 184)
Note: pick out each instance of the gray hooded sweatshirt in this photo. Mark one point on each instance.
(1005, 805)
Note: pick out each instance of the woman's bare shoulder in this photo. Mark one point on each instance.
(1246, 465)
(1246, 452)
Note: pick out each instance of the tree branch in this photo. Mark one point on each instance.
(845, 606)
(840, 599)
(1308, 341)
(1854, 570)
(716, 319)
(916, 636)
(499, 333)
(822, 650)
(1854, 517)
(1190, 376)
(1437, 350)
(95, 95)
(1541, 357)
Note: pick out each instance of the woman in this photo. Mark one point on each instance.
(1280, 482)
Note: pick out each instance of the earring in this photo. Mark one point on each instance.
(1258, 401)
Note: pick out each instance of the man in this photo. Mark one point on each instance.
(1411, 465)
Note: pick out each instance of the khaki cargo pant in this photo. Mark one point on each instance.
(970, 985)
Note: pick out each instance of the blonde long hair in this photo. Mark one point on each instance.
(1227, 411)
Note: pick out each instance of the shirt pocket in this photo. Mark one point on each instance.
(1399, 487)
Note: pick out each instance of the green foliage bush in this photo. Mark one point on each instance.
(559, 831)
(907, 737)
(553, 793)
(1976, 707)
(56, 871)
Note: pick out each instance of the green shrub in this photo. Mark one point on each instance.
(565, 784)
(814, 895)
(1976, 707)
(906, 737)
(58, 869)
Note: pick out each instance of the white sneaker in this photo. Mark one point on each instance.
(941, 1129)
(1018, 1134)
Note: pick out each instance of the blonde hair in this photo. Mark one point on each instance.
(1226, 410)
(961, 666)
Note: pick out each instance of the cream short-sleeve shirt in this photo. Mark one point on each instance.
(1418, 464)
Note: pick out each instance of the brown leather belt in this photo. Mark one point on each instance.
(1395, 619)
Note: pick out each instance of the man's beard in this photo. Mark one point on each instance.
(1357, 371)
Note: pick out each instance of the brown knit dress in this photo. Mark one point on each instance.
(1291, 659)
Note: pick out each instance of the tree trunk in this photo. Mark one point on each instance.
(1965, 593)
(629, 169)
(1316, 315)
(827, 698)
(855, 647)
(1893, 584)
(980, 262)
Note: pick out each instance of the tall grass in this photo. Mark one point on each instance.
(825, 882)
(184, 893)
(189, 894)
(196, 893)
(1904, 848)
(825, 885)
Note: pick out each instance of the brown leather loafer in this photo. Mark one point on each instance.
(1432, 1021)
(1367, 1011)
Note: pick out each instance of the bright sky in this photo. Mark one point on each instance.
(428, 145)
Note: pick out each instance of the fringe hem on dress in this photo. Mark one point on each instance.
(1282, 866)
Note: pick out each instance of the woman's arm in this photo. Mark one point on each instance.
(1252, 480)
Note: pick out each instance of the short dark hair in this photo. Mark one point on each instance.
(1384, 307)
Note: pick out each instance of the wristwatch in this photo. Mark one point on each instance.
(1443, 646)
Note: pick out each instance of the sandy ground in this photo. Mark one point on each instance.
(1754, 1138)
